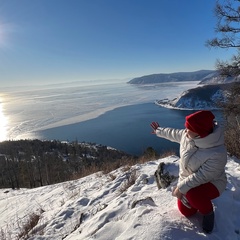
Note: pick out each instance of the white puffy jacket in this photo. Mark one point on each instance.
(202, 160)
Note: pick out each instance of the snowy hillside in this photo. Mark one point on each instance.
(124, 204)
(215, 78)
(204, 97)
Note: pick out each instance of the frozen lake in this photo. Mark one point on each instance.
(107, 112)
(125, 128)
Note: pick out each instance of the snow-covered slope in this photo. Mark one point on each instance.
(215, 78)
(102, 206)
(203, 97)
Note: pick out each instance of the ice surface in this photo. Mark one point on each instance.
(34, 109)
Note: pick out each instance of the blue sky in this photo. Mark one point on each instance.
(50, 41)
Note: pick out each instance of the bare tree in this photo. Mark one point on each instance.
(228, 18)
(228, 31)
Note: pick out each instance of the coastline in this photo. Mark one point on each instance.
(124, 128)
(169, 106)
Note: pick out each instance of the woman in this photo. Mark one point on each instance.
(203, 157)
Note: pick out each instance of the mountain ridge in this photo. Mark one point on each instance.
(174, 77)
(203, 76)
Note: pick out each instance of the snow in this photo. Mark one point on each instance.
(100, 206)
(201, 98)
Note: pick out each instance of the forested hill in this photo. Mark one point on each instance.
(34, 163)
(175, 77)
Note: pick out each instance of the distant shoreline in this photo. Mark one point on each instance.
(125, 128)
(168, 105)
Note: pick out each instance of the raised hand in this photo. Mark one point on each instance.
(154, 126)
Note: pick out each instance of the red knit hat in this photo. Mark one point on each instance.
(200, 122)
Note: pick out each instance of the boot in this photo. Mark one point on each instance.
(208, 222)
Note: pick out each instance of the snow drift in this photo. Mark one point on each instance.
(106, 207)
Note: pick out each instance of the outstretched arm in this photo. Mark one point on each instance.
(171, 134)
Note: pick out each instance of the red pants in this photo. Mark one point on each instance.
(200, 199)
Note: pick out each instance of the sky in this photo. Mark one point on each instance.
(52, 41)
(100, 206)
